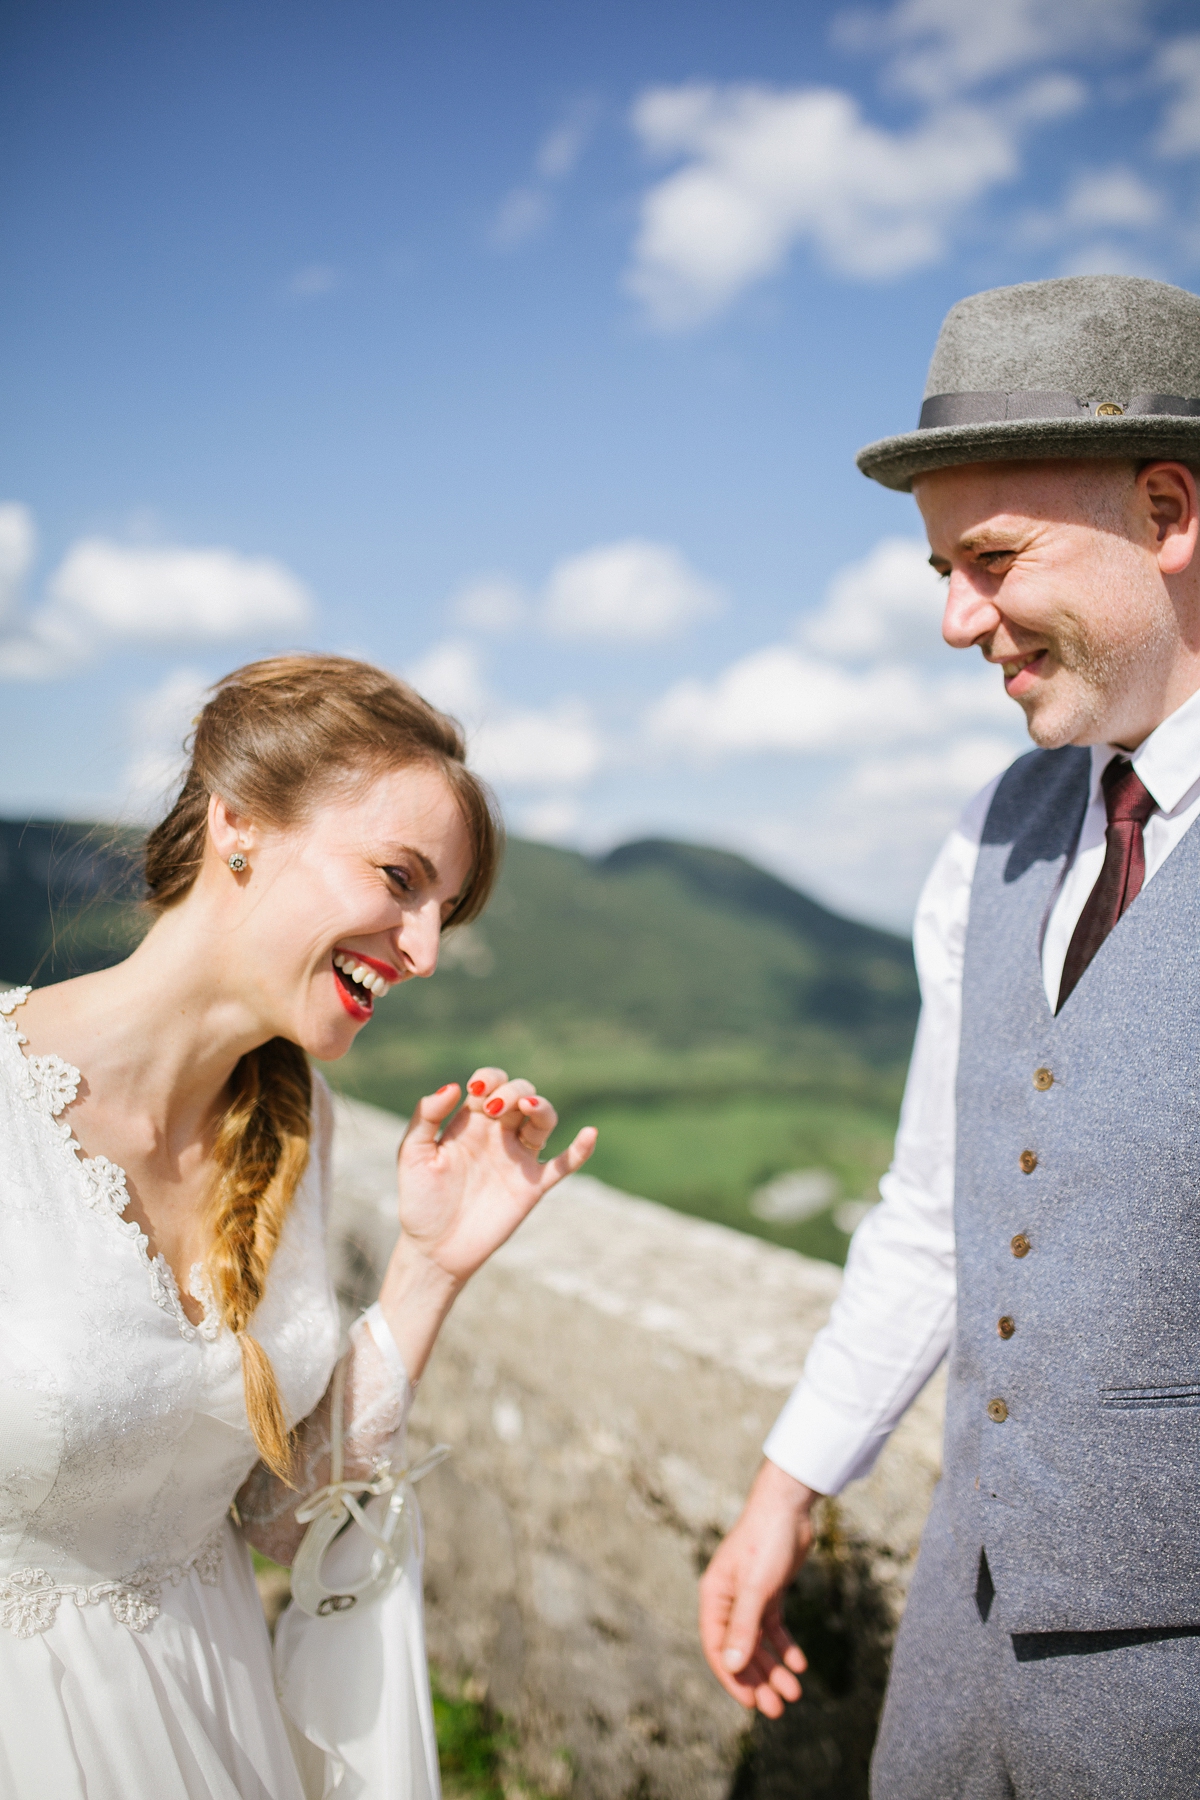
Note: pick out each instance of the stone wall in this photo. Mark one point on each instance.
(606, 1383)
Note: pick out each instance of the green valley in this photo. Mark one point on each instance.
(719, 1027)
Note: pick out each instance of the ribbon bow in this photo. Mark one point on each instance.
(342, 1497)
(326, 1511)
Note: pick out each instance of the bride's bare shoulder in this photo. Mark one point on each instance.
(61, 1019)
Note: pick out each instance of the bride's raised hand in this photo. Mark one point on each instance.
(466, 1186)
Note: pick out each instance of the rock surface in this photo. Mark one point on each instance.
(606, 1383)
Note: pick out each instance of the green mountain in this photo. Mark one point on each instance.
(67, 898)
(719, 1027)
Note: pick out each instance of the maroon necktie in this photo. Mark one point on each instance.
(1128, 805)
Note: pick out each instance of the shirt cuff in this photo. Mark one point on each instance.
(386, 1345)
(821, 1445)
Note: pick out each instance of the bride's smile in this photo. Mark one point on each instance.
(170, 1333)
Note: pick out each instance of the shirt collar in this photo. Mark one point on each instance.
(1167, 762)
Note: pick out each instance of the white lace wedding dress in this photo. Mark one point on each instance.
(134, 1659)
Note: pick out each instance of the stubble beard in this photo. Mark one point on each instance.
(1093, 675)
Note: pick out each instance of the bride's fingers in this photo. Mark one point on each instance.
(483, 1083)
(570, 1159)
(501, 1104)
(430, 1114)
(538, 1121)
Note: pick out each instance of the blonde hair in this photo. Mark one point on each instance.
(274, 737)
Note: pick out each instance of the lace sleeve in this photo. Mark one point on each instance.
(378, 1399)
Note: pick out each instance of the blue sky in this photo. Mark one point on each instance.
(525, 349)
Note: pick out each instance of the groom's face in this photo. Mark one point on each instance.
(1055, 570)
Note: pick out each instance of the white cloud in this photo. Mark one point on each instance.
(174, 595)
(528, 208)
(104, 593)
(1178, 67)
(550, 821)
(870, 672)
(865, 840)
(780, 699)
(555, 747)
(552, 747)
(314, 280)
(766, 169)
(1106, 258)
(451, 677)
(633, 591)
(523, 212)
(891, 602)
(493, 604)
(902, 806)
(940, 47)
(943, 779)
(159, 723)
(1098, 202)
(29, 654)
(18, 544)
(1108, 198)
(561, 148)
(906, 729)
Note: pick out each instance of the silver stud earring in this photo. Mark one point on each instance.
(237, 862)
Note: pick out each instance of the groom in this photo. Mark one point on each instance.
(1041, 1220)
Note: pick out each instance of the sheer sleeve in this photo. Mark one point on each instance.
(378, 1400)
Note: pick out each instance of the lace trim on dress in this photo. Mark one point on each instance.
(50, 1085)
(30, 1598)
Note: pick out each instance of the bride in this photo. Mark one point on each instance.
(168, 1331)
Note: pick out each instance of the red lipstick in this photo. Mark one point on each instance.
(356, 1008)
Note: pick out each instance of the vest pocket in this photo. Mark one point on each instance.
(1185, 1394)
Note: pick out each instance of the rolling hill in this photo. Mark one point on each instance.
(721, 1028)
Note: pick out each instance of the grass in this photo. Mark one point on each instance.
(476, 1751)
(470, 1742)
(707, 1157)
(698, 1130)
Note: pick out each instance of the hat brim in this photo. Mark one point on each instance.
(895, 462)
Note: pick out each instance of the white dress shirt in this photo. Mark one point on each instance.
(894, 1318)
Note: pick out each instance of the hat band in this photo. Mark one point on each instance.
(993, 408)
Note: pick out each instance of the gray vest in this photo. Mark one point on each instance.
(1073, 1444)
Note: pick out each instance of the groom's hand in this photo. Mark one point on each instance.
(741, 1625)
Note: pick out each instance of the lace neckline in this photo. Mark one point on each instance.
(50, 1084)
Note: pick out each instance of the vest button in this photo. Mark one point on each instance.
(997, 1412)
(1042, 1079)
(1020, 1245)
(1028, 1161)
(1006, 1326)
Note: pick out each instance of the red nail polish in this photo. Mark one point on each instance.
(476, 1087)
(445, 1089)
(494, 1107)
(535, 1103)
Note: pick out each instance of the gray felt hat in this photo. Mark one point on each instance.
(1091, 365)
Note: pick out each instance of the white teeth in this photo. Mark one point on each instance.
(374, 984)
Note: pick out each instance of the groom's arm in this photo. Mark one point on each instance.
(889, 1329)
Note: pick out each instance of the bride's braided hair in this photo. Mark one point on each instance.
(274, 737)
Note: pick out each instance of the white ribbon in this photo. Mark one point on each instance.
(331, 1507)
